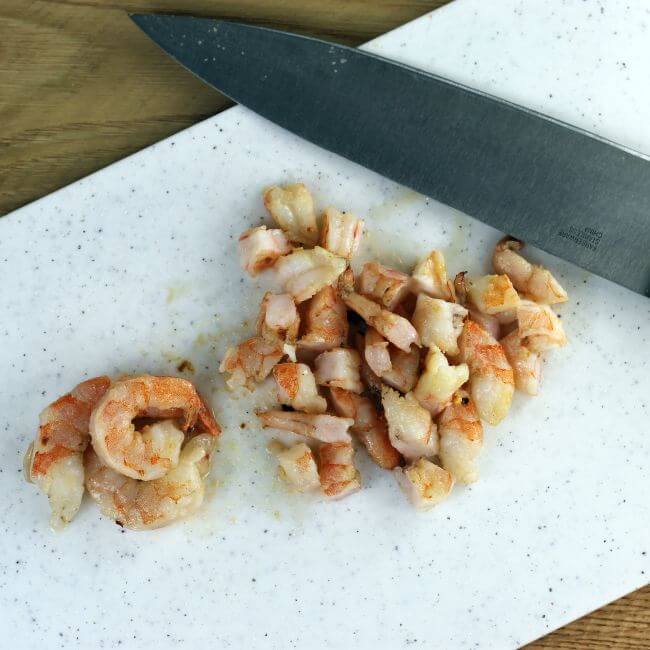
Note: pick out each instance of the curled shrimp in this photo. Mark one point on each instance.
(148, 453)
(142, 505)
(54, 461)
(534, 281)
(392, 327)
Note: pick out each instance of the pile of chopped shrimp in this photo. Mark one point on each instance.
(144, 477)
(407, 365)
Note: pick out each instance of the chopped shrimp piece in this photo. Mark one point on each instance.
(297, 466)
(395, 328)
(292, 207)
(526, 365)
(405, 367)
(304, 273)
(410, 428)
(461, 438)
(430, 277)
(439, 381)
(338, 475)
(339, 368)
(489, 323)
(326, 322)
(150, 452)
(141, 505)
(326, 428)
(424, 483)
(279, 319)
(369, 426)
(385, 286)
(250, 362)
(492, 294)
(540, 328)
(54, 461)
(491, 383)
(534, 281)
(297, 388)
(259, 248)
(439, 322)
(376, 352)
(341, 233)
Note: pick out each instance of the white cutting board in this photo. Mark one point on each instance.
(135, 268)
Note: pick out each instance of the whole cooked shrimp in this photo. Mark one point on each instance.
(392, 327)
(338, 475)
(250, 362)
(369, 426)
(151, 504)
(534, 281)
(54, 461)
(491, 381)
(148, 453)
(341, 233)
(461, 438)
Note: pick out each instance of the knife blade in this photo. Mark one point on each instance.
(567, 191)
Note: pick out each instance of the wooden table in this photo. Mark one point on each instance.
(81, 87)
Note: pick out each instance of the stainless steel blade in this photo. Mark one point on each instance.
(569, 192)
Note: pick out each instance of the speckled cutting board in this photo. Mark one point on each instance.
(135, 269)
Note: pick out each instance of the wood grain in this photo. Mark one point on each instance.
(81, 88)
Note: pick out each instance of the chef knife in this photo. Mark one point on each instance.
(565, 190)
